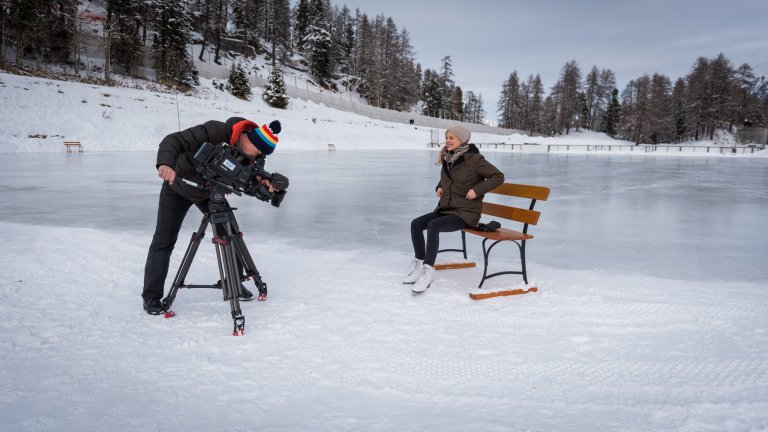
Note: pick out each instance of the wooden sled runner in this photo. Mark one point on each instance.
(479, 295)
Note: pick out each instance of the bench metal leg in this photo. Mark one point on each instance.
(486, 254)
(522, 261)
(463, 249)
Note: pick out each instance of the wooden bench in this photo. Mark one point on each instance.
(69, 145)
(525, 216)
(331, 147)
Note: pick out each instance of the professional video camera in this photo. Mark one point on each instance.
(231, 169)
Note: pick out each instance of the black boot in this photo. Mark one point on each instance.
(153, 306)
(245, 294)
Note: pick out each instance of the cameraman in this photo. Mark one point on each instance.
(175, 158)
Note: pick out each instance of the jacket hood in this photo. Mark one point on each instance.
(238, 126)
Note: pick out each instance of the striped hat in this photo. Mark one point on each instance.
(265, 137)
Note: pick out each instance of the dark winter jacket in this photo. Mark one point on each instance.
(178, 149)
(470, 171)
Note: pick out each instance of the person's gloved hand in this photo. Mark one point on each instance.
(489, 227)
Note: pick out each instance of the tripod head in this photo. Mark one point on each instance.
(218, 198)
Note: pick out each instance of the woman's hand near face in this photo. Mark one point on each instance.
(439, 192)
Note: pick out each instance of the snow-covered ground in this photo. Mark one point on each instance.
(650, 315)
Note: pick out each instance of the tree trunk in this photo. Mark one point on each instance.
(21, 45)
(273, 53)
(202, 49)
(76, 54)
(107, 52)
(217, 33)
(3, 36)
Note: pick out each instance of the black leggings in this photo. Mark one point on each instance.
(434, 223)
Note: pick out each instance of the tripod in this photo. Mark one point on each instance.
(230, 253)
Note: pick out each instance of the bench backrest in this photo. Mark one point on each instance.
(522, 215)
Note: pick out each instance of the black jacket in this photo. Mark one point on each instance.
(177, 150)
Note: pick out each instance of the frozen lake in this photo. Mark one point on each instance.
(693, 218)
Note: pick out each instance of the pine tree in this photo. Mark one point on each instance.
(746, 97)
(407, 87)
(591, 97)
(203, 24)
(5, 11)
(470, 107)
(431, 94)
(568, 89)
(447, 84)
(636, 110)
(532, 122)
(27, 19)
(458, 103)
(172, 24)
(605, 84)
(363, 65)
(612, 113)
(122, 33)
(274, 93)
(509, 102)
(344, 39)
(280, 30)
(660, 123)
(303, 18)
(480, 111)
(238, 81)
(583, 110)
(473, 108)
(63, 31)
(549, 126)
(241, 16)
(317, 43)
(678, 111)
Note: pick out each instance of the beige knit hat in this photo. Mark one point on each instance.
(462, 133)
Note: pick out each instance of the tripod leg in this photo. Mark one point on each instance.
(186, 263)
(230, 276)
(245, 258)
(250, 268)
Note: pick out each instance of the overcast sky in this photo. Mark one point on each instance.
(488, 39)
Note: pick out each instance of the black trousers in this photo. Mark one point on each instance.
(170, 215)
(434, 223)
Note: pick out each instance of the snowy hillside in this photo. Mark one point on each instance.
(39, 114)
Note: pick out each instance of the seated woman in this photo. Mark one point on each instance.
(464, 179)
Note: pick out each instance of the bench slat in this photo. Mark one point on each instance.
(523, 191)
(500, 234)
(512, 213)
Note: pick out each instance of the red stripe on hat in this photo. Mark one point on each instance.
(266, 130)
